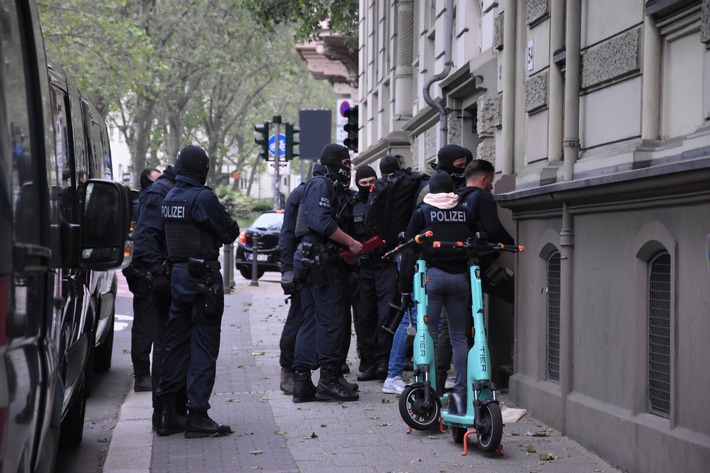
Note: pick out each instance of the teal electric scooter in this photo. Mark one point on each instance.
(420, 403)
(483, 416)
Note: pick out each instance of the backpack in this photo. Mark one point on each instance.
(391, 204)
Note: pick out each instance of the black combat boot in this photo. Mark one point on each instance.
(330, 389)
(352, 387)
(170, 421)
(457, 404)
(303, 388)
(199, 425)
(155, 420)
(382, 369)
(286, 384)
(369, 374)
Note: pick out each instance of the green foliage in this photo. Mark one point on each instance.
(235, 203)
(308, 15)
(240, 206)
(179, 72)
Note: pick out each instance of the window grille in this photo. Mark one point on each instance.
(659, 334)
(553, 316)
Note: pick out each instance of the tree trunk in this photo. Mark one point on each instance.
(142, 126)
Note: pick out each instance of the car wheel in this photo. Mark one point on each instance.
(246, 272)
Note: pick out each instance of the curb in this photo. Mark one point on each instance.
(131, 445)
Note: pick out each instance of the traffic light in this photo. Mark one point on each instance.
(291, 141)
(262, 139)
(351, 128)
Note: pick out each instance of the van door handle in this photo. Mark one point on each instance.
(31, 258)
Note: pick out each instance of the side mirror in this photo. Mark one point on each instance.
(105, 226)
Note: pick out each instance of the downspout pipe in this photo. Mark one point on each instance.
(566, 311)
(572, 80)
(571, 154)
(448, 43)
(509, 71)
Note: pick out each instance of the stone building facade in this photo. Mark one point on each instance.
(596, 114)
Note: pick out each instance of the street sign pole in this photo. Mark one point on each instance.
(277, 150)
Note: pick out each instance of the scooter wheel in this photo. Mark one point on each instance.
(458, 433)
(491, 427)
(415, 411)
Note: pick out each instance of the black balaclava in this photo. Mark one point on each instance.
(445, 162)
(363, 172)
(388, 165)
(441, 182)
(193, 161)
(332, 158)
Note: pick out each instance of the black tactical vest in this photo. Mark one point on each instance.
(183, 237)
(447, 225)
(359, 213)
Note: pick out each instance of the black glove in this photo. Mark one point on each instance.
(287, 283)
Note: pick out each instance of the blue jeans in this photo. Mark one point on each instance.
(450, 291)
(399, 342)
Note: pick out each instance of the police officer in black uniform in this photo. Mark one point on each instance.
(151, 252)
(291, 287)
(138, 278)
(447, 272)
(377, 287)
(477, 196)
(324, 217)
(196, 226)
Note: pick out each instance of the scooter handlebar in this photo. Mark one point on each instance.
(483, 245)
(415, 240)
(512, 249)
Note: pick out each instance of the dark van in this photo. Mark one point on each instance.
(57, 238)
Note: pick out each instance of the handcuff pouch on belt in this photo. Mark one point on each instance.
(137, 278)
(210, 300)
(322, 262)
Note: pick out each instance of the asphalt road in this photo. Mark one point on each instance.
(108, 392)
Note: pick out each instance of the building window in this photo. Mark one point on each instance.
(682, 77)
(659, 334)
(553, 317)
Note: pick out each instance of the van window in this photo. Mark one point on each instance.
(17, 137)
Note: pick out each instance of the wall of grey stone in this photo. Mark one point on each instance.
(488, 115)
(416, 142)
(499, 114)
(536, 92)
(454, 124)
(616, 57)
(498, 32)
(705, 23)
(486, 149)
(430, 148)
(536, 10)
(405, 35)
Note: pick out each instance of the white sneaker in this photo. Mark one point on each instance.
(450, 384)
(394, 385)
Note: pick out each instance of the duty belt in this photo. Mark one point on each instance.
(211, 265)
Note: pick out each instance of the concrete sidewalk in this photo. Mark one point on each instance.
(272, 434)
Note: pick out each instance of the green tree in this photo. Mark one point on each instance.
(308, 16)
(169, 73)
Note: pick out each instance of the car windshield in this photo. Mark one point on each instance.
(268, 221)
